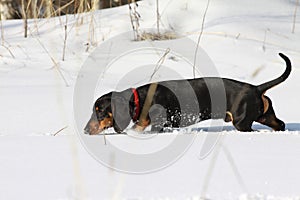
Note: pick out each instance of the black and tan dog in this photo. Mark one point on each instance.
(244, 104)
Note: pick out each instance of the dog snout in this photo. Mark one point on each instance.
(87, 129)
(92, 127)
(281, 126)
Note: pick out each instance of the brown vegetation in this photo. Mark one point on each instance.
(14, 9)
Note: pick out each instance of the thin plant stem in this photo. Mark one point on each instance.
(295, 16)
(199, 38)
(157, 16)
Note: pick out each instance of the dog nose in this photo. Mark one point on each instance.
(282, 126)
(86, 130)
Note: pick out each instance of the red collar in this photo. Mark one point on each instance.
(136, 104)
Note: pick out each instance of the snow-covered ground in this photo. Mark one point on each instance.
(242, 39)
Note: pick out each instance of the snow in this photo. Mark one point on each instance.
(241, 38)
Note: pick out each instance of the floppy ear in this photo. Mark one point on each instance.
(120, 111)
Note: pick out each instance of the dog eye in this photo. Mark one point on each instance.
(99, 109)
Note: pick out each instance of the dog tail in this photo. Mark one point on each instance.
(265, 86)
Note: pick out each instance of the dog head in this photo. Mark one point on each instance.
(102, 117)
(269, 118)
(110, 110)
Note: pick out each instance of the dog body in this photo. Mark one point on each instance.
(180, 103)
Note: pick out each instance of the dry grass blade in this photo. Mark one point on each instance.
(134, 19)
(65, 39)
(56, 65)
(24, 16)
(160, 62)
(152, 89)
(295, 15)
(92, 33)
(63, 7)
(65, 43)
(257, 71)
(157, 16)
(60, 130)
(1, 26)
(199, 38)
(10, 52)
(148, 101)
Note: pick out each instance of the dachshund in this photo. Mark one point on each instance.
(243, 104)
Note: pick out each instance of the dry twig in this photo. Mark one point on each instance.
(60, 130)
(65, 39)
(199, 38)
(152, 89)
(295, 15)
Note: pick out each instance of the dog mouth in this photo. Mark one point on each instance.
(95, 127)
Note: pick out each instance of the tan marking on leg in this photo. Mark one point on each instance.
(266, 103)
(139, 128)
(141, 125)
(229, 114)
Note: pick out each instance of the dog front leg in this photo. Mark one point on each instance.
(141, 125)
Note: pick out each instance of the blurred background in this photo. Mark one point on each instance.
(16, 9)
